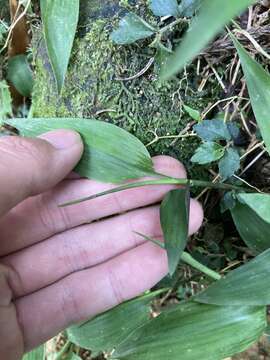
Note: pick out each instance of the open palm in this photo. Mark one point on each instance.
(60, 266)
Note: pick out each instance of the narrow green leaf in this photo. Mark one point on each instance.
(109, 329)
(229, 164)
(60, 20)
(164, 8)
(194, 114)
(212, 130)
(110, 153)
(253, 229)
(193, 331)
(260, 203)
(20, 75)
(37, 354)
(210, 20)
(247, 285)
(207, 153)
(174, 219)
(5, 100)
(131, 28)
(188, 8)
(258, 83)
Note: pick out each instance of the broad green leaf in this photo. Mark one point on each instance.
(194, 114)
(110, 153)
(229, 164)
(207, 153)
(258, 83)
(174, 219)
(253, 229)
(109, 329)
(60, 20)
(212, 130)
(187, 8)
(193, 331)
(5, 100)
(37, 354)
(164, 8)
(247, 285)
(260, 203)
(212, 17)
(20, 75)
(131, 28)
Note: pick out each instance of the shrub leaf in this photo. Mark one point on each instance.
(229, 164)
(212, 130)
(207, 153)
(131, 28)
(20, 74)
(164, 8)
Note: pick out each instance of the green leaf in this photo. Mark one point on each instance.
(193, 331)
(37, 354)
(207, 153)
(203, 29)
(131, 28)
(228, 201)
(174, 219)
(258, 83)
(252, 228)
(247, 285)
(188, 8)
(164, 8)
(109, 329)
(229, 164)
(212, 130)
(110, 153)
(5, 100)
(60, 20)
(260, 203)
(20, 75)
(194, 114)
(3, 31)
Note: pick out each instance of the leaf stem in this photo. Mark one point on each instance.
(187, 258)
(171, 25)
(163, 181)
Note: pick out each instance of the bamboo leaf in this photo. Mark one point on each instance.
(20, 75)
(174, 219)
(260, 203)
(110, 153)
(258, 83)
(252, 228)
(37, 354)
(193, 331)
(60, 19)
(247, 285)
(210, 20)
(109, 329)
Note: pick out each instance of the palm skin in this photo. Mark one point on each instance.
(59, 266)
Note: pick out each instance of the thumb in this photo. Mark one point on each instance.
(31, 166)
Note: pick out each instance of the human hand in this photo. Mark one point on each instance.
(59, 266)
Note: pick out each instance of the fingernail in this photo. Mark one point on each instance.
(62, 139)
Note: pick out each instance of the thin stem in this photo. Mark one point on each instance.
(187, 258)
(171, 25)
(164, 181)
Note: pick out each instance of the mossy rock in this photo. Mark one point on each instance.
(93, 88)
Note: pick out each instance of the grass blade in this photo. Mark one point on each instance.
(258, 83)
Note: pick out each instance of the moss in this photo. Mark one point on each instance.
(142, 106)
